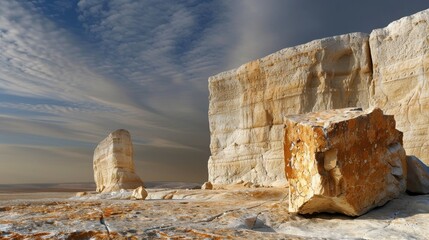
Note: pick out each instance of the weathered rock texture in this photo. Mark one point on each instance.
(114, 164)
(247, 104)
(400, 84)
(200, 214)
(418, 176)
(344, 160)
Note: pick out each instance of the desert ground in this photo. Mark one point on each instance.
(180, 211)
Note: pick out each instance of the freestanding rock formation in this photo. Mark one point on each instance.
(247, 104)
(345, 160)
(400, 84)
(114, 164)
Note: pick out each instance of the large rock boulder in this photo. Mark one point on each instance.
(400, 83)
(418, 176)
(345, 161)
(114, 164)
(247, 104)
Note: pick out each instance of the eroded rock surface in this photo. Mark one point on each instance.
(199, 214)
(114, 164)
(247, 104)
(400, 81)
(346, 160)
(390, 71)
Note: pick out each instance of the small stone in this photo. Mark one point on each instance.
(250, 222)
(248, 184)
(81, 194)
(418, 176)
(335, 168)
(207, 186)
(168, 196)
(139, 193)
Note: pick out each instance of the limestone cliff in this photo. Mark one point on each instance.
(401, 72)
(247, 104)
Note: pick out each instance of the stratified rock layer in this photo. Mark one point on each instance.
(113, 163)
(247, 104)
(345, 160)
(400, 84)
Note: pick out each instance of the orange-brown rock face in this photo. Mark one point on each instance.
(247, 104)
(345, 161)
(113, 163)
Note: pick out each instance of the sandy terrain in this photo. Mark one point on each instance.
(238, 213)
(35, 195)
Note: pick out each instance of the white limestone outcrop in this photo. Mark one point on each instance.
(113, 163)
(389, 69)
(400, 84)
(247, 104)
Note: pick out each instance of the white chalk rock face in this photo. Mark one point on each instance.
(247, 104)
(114, 164)
(400, 81)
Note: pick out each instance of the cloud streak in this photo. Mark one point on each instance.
(73, 71)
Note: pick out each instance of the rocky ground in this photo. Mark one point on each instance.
(237, 213)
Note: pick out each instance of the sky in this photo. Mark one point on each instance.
(72, 71)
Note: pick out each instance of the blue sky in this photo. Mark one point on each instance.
(71, 71)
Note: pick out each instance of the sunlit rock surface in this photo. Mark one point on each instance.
(389, 71)
(207, 186)
(247, 104)
(114, 164)
(346, 160)
(400, 83)
(139, 193)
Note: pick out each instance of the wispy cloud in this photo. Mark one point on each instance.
(140, 65)
(163, 47)
(71, 71)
